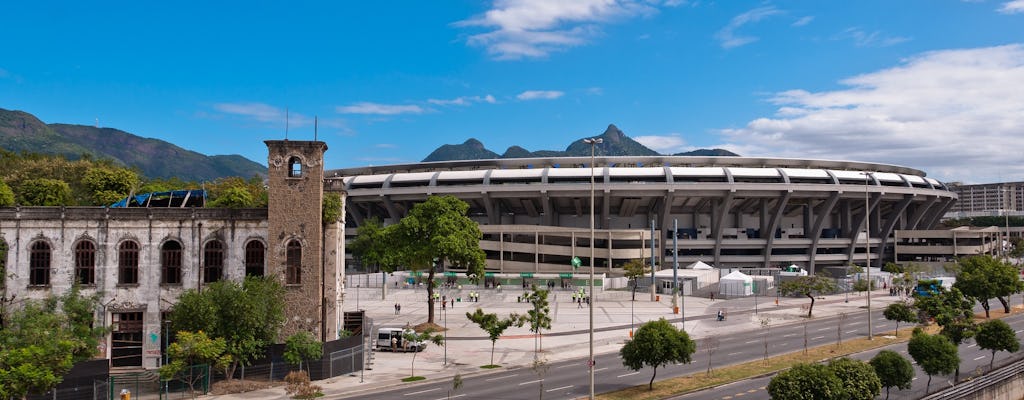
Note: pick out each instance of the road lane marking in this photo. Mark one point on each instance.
(849, 332)
(566, 366)
(452, 397)
(600, 369)
(751, 341)
(915, 378)
(561, 388)
(752, 391)
(817, 337)
(823, 329)
(979, 358)
(501, 377)
(732, 354)
(789, 334)
(527, 383)
(422, 391)
(629, 374)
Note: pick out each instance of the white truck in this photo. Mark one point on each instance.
(392, 339)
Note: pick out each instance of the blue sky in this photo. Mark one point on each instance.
(934, 85)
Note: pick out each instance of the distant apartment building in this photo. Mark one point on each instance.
(988, 199)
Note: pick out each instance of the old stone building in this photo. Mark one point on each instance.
(142, 259)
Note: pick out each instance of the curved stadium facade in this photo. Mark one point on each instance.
(730, 212)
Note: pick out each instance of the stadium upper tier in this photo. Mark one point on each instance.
(535, 212)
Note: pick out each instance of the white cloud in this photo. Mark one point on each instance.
(670, 144)
(595, 91)
(535, 28)
(955, 114)
(385, 146)
(803, 21)
(728, 36)
(1012, 7)
(463, 100)
(873, 39)
(379, 109)
(540, 95)
(263, 112)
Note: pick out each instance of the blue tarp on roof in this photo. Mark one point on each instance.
(174, 198)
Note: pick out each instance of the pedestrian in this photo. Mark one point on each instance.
(399, 309)
(396, 308)
(394, 344)
(453, 303)
(721, 315)
(579, 302)
(444, 305)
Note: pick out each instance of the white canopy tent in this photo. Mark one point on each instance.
(699, 265)
(736, 284)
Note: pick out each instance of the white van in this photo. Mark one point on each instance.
(385, 336)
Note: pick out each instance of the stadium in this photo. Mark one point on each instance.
(729, 212)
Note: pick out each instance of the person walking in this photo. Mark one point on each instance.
(399, 309)
(396, 308)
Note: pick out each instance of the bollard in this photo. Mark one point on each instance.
(126, 395)
(675, 310)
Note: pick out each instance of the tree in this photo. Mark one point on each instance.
(247, 315)
(426, 337)
(193, 348)
(900, 312)
(539, 315)
(109, 184)
(953, 311)
(255, 191)
(935, 354)
(806, 382)
(493, 325)
(860, 382)
(44, 192)
(996, 335)
(634, 270)
(437, 231)
(332, 208)
(710, 346)
(809, 286)
(984, 277)
(42, 340)
(6, 195)
(371, 247)
(234, 197)
(302, 346)
(657, 343)
(893, 370)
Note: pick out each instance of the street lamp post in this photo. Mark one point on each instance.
(867, 247)
(590, 361)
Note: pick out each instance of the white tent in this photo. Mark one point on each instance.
(736, 284)
(699, 265)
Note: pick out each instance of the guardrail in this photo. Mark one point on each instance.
(989, 380)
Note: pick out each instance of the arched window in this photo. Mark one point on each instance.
(293, 265)
(170, 263)
(213, 261)
(128, 263)
(255, 254)
(39, 264)
(85, 263)
(294, 167)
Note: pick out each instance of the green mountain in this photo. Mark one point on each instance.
(614, 143)
(23, 132)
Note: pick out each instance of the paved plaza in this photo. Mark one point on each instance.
(468, 347)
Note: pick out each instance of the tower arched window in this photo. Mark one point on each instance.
(85, 263)
(294, 167)
(255, 256)
(293, 263)
(128, 263)
(213, 261)
(170, 263)
(39, 264)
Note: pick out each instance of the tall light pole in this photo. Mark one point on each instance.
(1006, 213)
(867, 247)
(590, 362)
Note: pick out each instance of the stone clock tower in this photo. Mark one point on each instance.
(301, 253)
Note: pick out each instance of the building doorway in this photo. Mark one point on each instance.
(126, 340)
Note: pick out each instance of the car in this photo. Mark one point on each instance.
(385, 343)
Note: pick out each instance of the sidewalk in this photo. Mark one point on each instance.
(468, 347)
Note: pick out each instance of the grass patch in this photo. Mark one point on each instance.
(490, 366)
(413, 379)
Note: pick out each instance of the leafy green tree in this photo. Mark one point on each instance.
(234, 197)
(109, 184)
(257, 192)
(953, 311)
(332, 208)
(634, 270)
(40, 341)
(893, 370)
(892, 268)
(247, 315)
(996, 335)
(809, 286)
(935, 354)
(44, 192)
(302, 346)
(657, 343)
(193, 348)
(860, 382)
(984, 277)
(6, 195)
(371, 247)
(493, 325)
(806, 382)
(427, 336)
(437, 230)
(900, 312)
(539, 314)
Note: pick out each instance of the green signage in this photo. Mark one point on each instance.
(576, 262)
(565, 275)
(526, 274)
